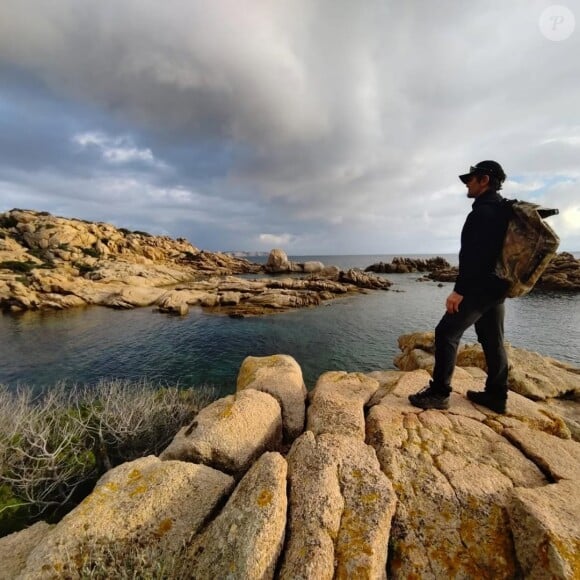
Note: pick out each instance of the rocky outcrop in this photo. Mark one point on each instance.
(48, 262)
(530, 374)
(278, 263)
(401, 265)
(454, 477)
(562, 273)
(372, 488)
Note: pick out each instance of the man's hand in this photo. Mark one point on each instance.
(453, 302)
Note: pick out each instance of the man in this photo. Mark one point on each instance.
(477, 298)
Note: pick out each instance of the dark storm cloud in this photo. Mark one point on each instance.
(330, 126)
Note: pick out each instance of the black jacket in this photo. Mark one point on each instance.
(481, 243)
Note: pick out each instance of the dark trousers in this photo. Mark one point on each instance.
(488, 315)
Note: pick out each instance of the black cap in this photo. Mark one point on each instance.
(491, 168)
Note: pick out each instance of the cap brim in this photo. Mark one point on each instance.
(465, 177)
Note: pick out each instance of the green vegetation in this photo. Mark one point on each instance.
(125, 231)
(8, 221)
(92, 252)
(145, 234)
(130, 560)
(84, 268)
(55, 444)
(15, 266)
(37, 253)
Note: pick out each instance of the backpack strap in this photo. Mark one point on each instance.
(544, 213)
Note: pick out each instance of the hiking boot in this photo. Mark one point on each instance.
(493, 402)
(430, 397)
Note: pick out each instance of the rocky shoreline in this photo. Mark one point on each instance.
(49, 262)
(562, 273)
(347, 481)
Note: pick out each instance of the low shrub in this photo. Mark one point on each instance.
(84, 268)
(8, 221)
(55, 444)
(92, 252)
(144, 234)
(15, 266)
(127, 560)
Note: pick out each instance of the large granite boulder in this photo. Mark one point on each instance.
(246, 538)
(337, 403)
(231, 433)
(341, 507)
(312, 267)
(144, 502)
(280, 376)
(277, 262)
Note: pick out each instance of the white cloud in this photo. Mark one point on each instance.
(115, 149)
(278, 241)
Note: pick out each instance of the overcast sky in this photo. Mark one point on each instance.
(317, 126)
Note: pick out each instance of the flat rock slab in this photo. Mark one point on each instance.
(545, 524)
(231, 433)
(531, 374)
(559, 458)
(341, 506)
(280, 376)
(146, 501)
(453, 476)
(245, 540)
(337, 403)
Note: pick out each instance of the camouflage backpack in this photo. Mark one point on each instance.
(528, 247)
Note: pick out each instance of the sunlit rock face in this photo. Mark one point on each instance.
(368, 487)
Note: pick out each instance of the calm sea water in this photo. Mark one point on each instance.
(357, 333)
